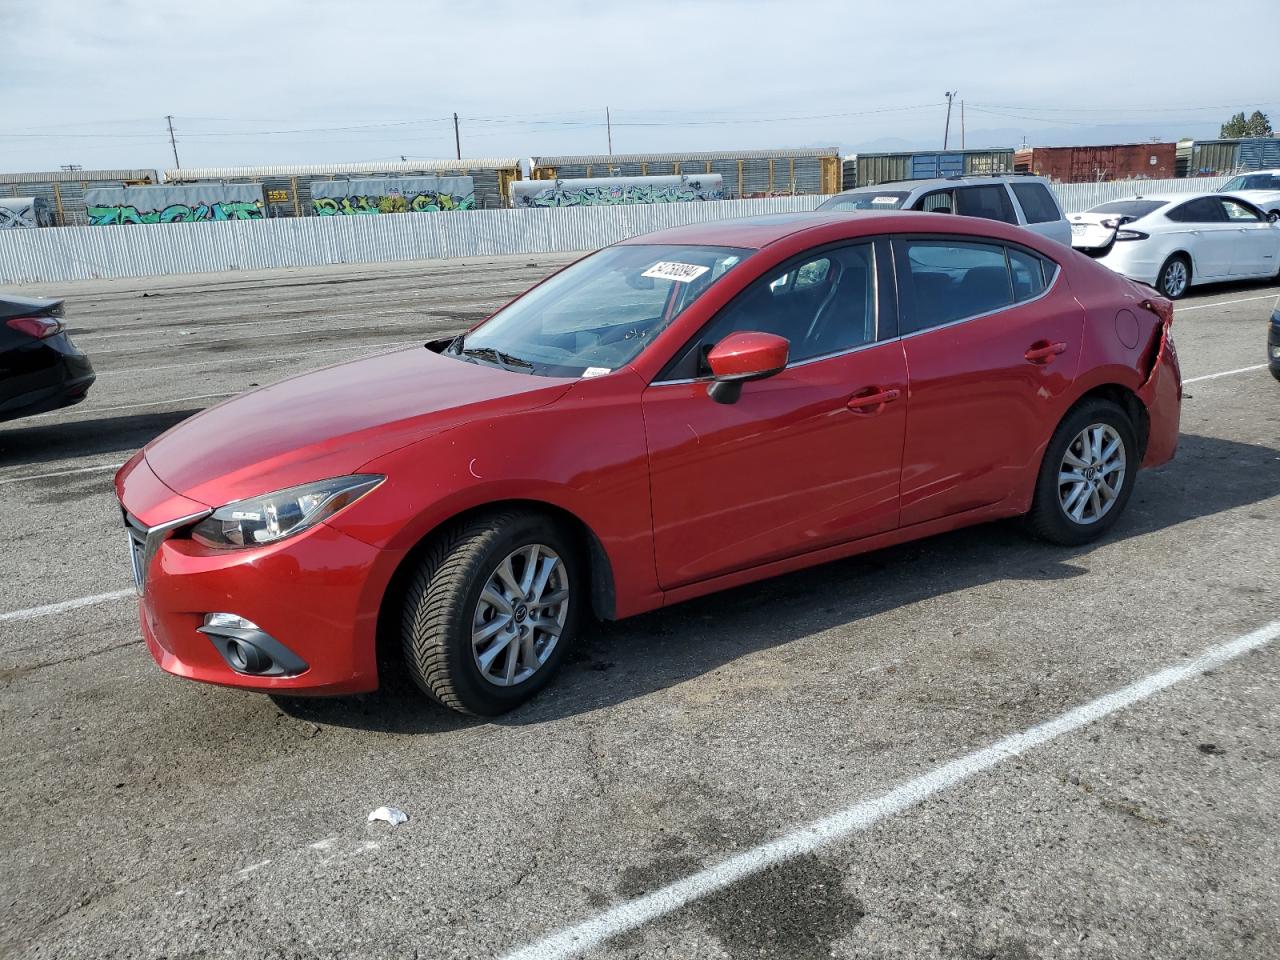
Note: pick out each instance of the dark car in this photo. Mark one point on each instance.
(40, 368)
(1273, 344)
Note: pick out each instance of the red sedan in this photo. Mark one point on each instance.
(673, 415)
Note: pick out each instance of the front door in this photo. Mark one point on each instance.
(805, 459)
(1255, 250)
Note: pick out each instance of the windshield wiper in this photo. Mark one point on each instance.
(494, 355)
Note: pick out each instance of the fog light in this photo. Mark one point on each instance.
(248, 648)
(228, 620)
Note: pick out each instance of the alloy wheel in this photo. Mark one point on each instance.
(1092, 473)
(1175, 278)
(520, 615)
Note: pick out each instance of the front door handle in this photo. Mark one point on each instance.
(1043, 352)
(873, 401)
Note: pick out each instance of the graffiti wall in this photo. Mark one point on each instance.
(612, 191)
(20, 213)
(374, 195)
(191, 203)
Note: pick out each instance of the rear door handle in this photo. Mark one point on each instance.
(1043, 352)
(873, 401)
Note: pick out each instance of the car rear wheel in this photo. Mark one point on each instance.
(1087, 475)
(1174, 277)
(490, 611)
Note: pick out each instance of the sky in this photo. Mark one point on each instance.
(318, 81)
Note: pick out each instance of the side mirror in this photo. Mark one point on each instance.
(740, 357)
(1273, 216)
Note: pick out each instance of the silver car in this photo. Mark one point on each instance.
(1024, 201)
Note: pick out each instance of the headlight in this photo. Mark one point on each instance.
(274, 516)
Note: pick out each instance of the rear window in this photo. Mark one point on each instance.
(867, 200)
(1129, 208)
(1037, 202)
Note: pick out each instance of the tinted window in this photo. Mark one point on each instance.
(1203, 210)
(1129, 208)
(940, 201)
(1029, 274)
(822, 305)
(1037, 202)
(1238, 212)
(866, 200)
(990, 203)
(952, 280)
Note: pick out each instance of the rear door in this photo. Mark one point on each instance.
(1255, 251)
(1205, 234)
(989, 201)
(992, 338)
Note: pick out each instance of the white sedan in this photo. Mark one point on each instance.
(1173, 241)
(1261, 188)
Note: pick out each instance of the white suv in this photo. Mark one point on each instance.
(1023, 201)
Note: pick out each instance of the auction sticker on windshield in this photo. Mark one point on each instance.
(671, 270)
(885, 200)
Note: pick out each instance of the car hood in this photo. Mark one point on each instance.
(332, 421)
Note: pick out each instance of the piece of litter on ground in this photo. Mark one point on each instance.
(390, 814)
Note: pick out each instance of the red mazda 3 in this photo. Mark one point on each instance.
(673, 415)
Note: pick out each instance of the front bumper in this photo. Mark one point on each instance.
(317, 593)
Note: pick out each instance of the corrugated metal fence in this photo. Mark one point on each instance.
(57, 254)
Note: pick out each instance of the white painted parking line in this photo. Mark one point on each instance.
(130, 406)
(583, 936)
(1225, 373)
(52, 609)
(1222, 303)
(60, 473)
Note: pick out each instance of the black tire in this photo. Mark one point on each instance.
(442, 596)
(1163, 278)
(1048, 520)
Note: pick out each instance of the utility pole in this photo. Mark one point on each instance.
(961, 124)
(457, 139)
(608, 122)
(946, 131)
(173, 143)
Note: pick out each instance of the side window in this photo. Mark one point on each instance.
(1237, 212)
(953, 279)
(822, 305)
(1029, 274)
(1201, 210)
(940, 201)
(1037, 203)
(990, 202)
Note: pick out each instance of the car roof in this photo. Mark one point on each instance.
(1163, 197)
(758, 232)
(935, 183)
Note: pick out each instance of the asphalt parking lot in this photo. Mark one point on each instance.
(146, 816)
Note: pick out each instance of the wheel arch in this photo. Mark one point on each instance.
(1127, 400)
(1192, 271)
(600, 574)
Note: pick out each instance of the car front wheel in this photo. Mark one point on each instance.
(1087, 475)
(490, 611)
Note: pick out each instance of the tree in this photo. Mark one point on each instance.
(1257, 125)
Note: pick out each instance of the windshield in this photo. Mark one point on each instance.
(598, 314)
(1129, 208)
(867, 200)
(1252, 181)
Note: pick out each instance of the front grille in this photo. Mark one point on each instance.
(137, 549)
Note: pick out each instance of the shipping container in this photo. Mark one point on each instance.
(1091, 164)
(868, 169)
(1212, 158)
(287, 188)
(746, 173)
(63, 190)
